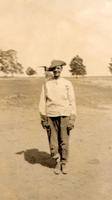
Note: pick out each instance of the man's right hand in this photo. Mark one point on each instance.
(44, 124)
(44, 121)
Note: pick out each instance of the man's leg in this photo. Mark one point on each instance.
(64, 143)
(53, 141)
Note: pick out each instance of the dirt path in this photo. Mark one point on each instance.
(90, 163)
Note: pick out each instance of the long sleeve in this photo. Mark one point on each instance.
(42, 103)
(72, 100)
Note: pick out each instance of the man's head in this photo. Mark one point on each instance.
(57, 71)
(56, 67)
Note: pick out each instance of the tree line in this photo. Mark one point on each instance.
(9, 65)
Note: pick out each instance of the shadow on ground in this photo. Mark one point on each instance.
(34, 156)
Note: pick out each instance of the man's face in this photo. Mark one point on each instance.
(57, 71)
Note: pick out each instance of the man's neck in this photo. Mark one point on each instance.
(56, 78)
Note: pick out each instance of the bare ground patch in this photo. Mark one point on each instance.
(26, 171)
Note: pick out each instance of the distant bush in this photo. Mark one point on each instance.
(30, 71)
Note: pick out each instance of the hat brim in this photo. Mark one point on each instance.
(52, 67)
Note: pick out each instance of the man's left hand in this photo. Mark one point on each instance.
(71, 121)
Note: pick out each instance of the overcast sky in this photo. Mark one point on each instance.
(42, 30)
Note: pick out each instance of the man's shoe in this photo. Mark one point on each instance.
(57, 168)
(64, 168)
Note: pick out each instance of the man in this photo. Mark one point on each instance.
(58, 112)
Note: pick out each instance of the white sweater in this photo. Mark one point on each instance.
(57, 98)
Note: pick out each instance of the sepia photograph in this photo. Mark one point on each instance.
(55, 100)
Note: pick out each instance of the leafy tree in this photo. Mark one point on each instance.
(30, 71)
(9, 63)
(77, 66)
(110, 66)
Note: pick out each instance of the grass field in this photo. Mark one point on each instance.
(26, 170)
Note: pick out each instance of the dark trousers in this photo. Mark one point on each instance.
(58, 136)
